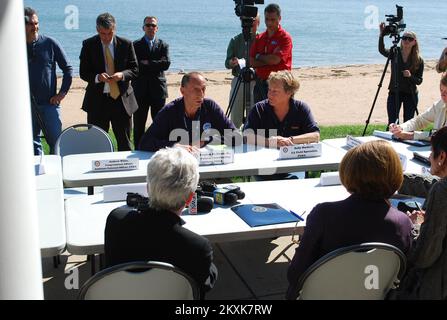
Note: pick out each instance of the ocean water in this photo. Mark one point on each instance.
(329, 32)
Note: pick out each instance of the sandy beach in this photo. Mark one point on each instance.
(336, 95)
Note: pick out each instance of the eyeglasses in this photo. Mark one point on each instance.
(148, 25)
(404, 38)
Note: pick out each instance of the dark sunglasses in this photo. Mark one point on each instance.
(407, 39)
(150, 25)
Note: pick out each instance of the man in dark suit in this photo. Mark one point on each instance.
(156, 232)
(108, 63)
(150, 86)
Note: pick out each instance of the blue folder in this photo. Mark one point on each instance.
(256, 215)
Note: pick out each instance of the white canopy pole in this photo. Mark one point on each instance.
(20, 264)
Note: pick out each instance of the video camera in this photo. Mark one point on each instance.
(247, 8)
(141, 203)
(395, 23)
(137, 201)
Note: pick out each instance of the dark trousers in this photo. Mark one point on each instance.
(140, 116)
(409, 101)
(112, 111)
(260, 90)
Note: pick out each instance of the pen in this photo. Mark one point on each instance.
(397, 121)
(417, 206)
(297, 215)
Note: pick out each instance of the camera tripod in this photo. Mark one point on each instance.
(246, 74)
(35, 111)
(394, 54)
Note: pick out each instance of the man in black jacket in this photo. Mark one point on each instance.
(108, 63)
(156, 233)
(150, 86)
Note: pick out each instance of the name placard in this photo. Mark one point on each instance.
(216, 155)
(115, 164)
(352, 142)
(300, 151)
(403, 160)
(383, 134)
(330, 178)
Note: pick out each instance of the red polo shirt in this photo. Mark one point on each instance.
(279, 44)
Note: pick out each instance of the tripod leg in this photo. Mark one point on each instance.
(377, 94)
(396, 55)
(247, 102)
(233, 97)
(38, 116)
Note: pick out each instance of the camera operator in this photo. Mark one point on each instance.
(235, 51)
(441, 66)
(156, 233)
(271, 51)
(410, 69)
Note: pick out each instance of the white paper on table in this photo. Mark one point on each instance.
(40, 167)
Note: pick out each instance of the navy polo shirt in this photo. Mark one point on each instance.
(209, 117)
(299, 120)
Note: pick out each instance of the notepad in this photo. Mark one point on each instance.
(256, 215)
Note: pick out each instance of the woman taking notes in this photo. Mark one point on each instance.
(435, 115)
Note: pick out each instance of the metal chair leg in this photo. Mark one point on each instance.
(91, 257)
(101, 261)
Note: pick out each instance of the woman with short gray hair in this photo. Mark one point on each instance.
(156, 233)
(172, 178)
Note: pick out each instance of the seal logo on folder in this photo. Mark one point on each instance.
(259, 209)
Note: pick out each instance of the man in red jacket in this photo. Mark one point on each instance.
(271, 51)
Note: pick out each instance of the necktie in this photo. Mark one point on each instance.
(114, 90)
